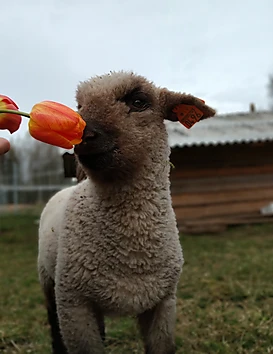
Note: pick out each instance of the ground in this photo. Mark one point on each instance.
(225, 296)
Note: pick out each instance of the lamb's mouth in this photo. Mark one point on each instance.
(81, 151)
(96, 159)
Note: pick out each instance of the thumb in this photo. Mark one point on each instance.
(4, 146)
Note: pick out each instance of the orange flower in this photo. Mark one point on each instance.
(56, 124)
(8, 120)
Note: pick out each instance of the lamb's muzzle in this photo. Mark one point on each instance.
(95, 140)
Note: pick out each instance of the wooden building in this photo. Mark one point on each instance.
(223, 171)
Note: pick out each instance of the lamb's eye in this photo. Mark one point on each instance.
(139, 103)
(79, 106)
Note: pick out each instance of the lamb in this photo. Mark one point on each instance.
(110, 244)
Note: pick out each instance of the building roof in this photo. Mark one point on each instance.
(223, 129)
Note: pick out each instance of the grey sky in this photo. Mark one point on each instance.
(218, 50)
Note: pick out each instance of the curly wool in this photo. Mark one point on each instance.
(110, 244)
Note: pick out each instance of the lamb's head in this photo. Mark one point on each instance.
(125, 130)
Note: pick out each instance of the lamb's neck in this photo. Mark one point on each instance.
(149, 183)
(137, 212)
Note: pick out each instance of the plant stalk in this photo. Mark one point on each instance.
(19, 113)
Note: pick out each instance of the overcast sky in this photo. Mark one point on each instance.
(219, 50)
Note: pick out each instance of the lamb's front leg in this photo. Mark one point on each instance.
(157, 327)
(79, 325)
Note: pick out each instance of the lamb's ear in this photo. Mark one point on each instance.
(184, 108)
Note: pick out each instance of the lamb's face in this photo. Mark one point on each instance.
(125, 129)
(124, 123)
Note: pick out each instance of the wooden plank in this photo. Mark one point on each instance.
(226, 221)
(215, 228)
(201, 229)
(205, 198)
(238, 179)
(220, 171)
(221, 183)
(223, 155)
(229, 159)
(214, 210)
(226, 179)
(216, 225)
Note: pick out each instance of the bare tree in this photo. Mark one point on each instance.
(36, 162)
(270, 91)
(31, 172)
(7, 163)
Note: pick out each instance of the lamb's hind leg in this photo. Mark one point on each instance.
(157, 327)
(48, 289)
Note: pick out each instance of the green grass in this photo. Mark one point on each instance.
(225, 296)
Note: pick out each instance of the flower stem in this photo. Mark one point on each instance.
(19, 113)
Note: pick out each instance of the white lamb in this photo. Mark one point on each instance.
(110, 245)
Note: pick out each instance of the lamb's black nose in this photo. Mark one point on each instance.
(92, 139)
(89, 137)
(88, 141)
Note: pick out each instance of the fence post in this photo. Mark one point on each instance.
(15, 185)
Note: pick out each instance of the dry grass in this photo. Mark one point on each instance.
(225, 296)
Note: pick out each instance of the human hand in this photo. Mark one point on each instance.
(4, 146)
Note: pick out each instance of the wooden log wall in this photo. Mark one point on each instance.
(216, 186)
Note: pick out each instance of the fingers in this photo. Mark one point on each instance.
(4, 146)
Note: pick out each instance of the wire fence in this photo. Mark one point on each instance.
(15, 192)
